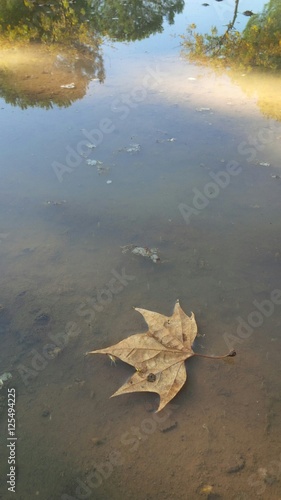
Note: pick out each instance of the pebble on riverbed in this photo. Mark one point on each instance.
(238, 466)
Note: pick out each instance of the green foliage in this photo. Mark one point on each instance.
(62, 21)
(258, 46)
(34, 20)
(134, 19)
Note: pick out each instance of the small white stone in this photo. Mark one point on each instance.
(68, 86)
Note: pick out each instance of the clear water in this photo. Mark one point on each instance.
(217, 231)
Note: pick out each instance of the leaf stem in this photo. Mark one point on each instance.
(229, 355)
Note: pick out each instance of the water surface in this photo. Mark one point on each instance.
(62, 226)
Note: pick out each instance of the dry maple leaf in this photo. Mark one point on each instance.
(159, 354)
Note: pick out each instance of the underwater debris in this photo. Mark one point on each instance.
(132, 148)
(203, 109)
(150, 253)
(101, 169)
(92, 163)
(4, 378)
(54, 203)
(53, 351)
(171, 139)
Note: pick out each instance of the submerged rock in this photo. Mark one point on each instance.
(150, 253)
(4, 378)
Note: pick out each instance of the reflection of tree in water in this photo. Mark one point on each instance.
(133, 20)
(35, 75)
(46, 21)
(72, 21)
(257, 46)
(74, 28)
(61, 48)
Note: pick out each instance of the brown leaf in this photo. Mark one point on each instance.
(158, 355)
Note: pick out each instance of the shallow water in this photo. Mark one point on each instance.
(62, 227)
